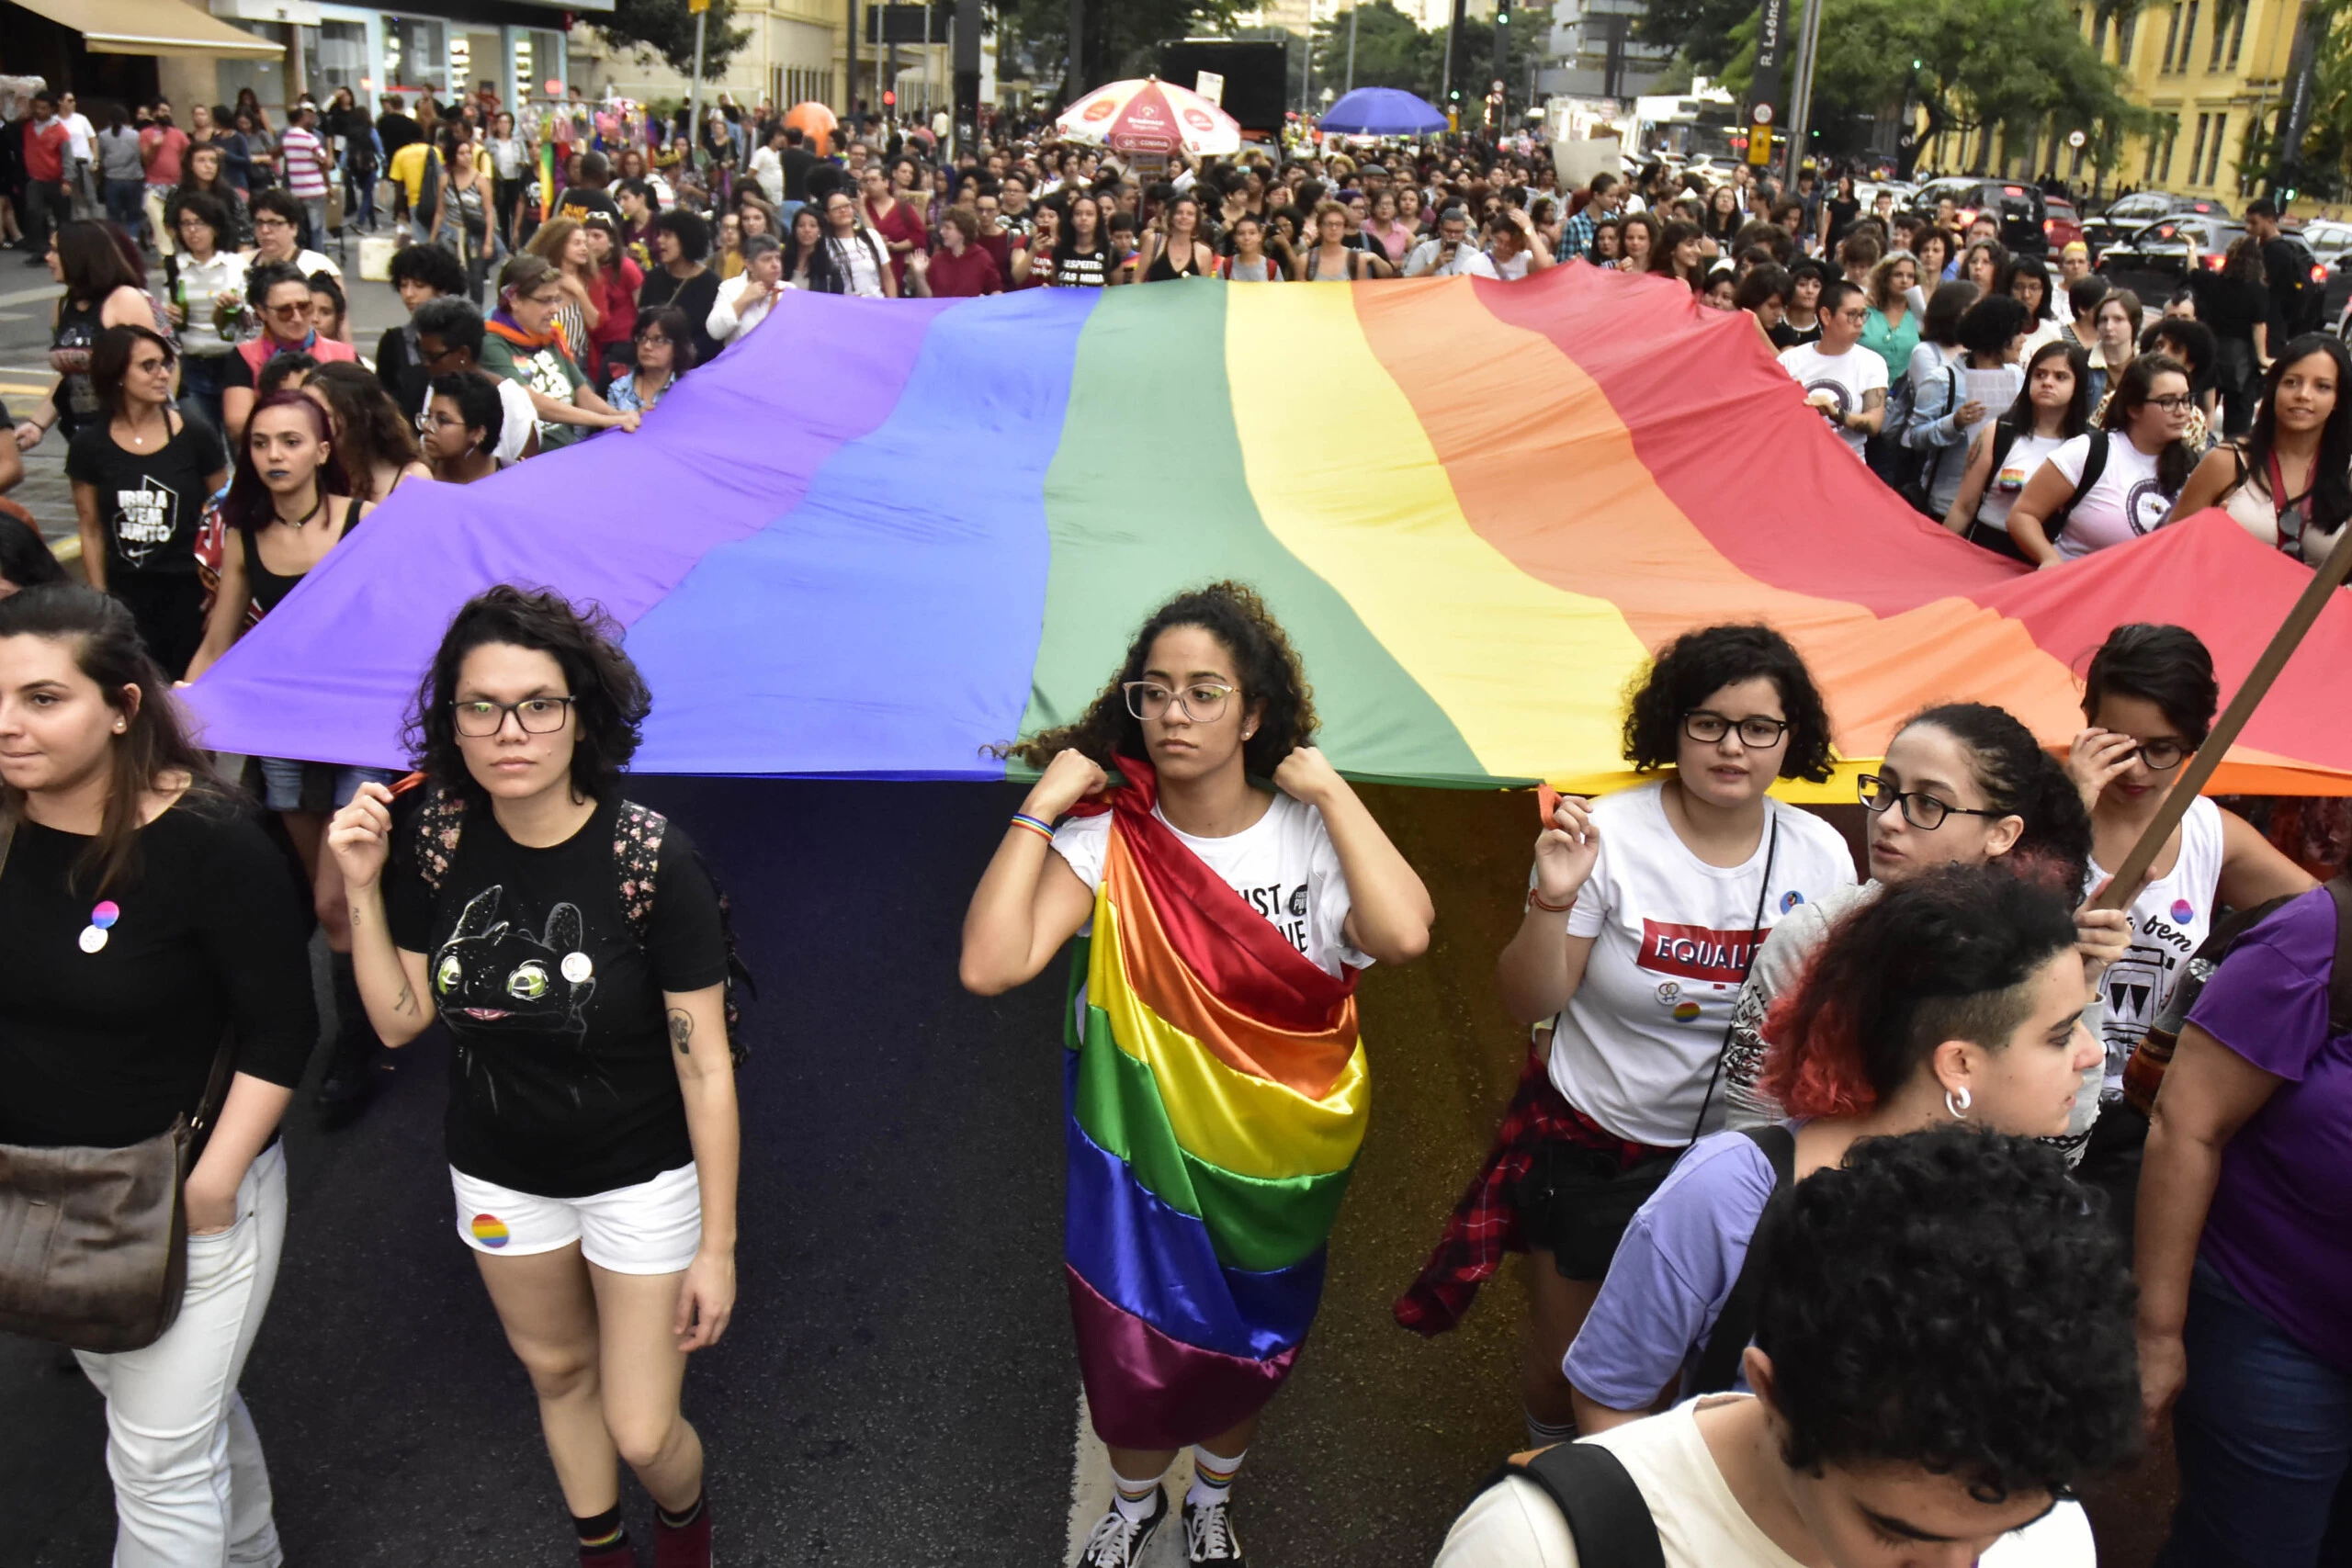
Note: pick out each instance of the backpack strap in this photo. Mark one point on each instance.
(2005, 435)
(2339, 982)
(1606, 1513)
(638, 835)
(2093, 465)
(1719, 1358)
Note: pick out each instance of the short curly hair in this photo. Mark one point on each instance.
(1951, 1299)
(611, 698)
(1270, 673)
(1695, 666)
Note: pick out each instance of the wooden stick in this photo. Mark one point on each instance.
(2184, 790)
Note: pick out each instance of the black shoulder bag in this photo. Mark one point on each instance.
(1606, 1512)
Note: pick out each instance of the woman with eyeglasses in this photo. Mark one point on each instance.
(1643, 912)
(2148, 701)
(2113, 484)
(1227, 923)
(574, 946)
(521, 343)
(663, 348)
(1961, 785)
(280, 296)
(1954, 995)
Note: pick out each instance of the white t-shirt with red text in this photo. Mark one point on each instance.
(1637, 1044)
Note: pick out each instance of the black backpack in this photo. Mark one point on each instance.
(1997, 540)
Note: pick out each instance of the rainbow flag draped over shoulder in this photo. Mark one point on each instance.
(1217, 1096)
(875, 536)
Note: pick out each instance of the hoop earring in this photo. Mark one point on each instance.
(1960, 1109)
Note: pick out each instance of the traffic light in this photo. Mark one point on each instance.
(889, 99)
(1454, 96)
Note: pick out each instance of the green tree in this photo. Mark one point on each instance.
(1404, 56)
(667, 28)
(1701, 30)
(1123, 36)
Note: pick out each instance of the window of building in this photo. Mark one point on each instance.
(2221, 41)
(2171, 36)
(2237, 33)
(2188, 34)
(2213, 157)
(2171, 135)
(416, 55)
(2197, 148)
(2124, 32)
(2098, 34)
(343, 59)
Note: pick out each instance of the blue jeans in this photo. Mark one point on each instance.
(126, 205)
(2264, 1431)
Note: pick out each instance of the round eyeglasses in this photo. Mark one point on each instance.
(1920, 809)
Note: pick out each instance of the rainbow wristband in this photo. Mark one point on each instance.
(1037, 825)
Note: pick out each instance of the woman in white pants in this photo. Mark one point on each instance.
(145, 914)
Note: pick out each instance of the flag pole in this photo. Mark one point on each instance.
(2125, 885)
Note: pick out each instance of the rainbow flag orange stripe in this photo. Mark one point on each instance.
(1476, 506)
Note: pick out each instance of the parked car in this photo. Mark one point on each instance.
(2063, 225)
(2153, 263)
(2019, 208)
(2132, 213)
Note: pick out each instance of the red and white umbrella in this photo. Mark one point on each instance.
(1151, 119)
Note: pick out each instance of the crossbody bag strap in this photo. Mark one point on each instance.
(216, 1096)
(2339, 982)
(1755, 941)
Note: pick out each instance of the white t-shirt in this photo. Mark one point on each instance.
(859, 259)
(1700, 1522)
(1284, 865)
(2003, 487)
(519, 416)
(2170, 921)
(1637, 1044)
(2123, 504)
(1848, 378)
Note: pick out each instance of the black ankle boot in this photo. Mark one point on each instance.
(350, 1082)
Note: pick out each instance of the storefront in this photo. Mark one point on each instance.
(515, 47)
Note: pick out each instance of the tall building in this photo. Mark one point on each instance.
(1595, 54)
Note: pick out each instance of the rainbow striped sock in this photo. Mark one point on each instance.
(1134, 1499)
(1212, 1476)
(601, 1533)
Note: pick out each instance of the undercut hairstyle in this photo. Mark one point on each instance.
(154, 747)
(1697, 665)
(1834, 293)
(1948, 954)
(430, 265)
(453, 318)
(610, 700)
(2168, 666)
(2022, 780)
(1951, 1299)
(1987, 327)
(1263, 662)
(478, 403)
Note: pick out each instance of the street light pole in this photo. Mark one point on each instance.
(1351, 46)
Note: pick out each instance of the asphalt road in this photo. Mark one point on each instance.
(898, 1386)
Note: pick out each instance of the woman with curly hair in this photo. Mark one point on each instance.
(1955, 994)
(1942, 1361)
(1643, 912)
(1217, 1090)
(572, 944)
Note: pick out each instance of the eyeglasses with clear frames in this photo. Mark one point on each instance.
(480, 719)
(1203, 702)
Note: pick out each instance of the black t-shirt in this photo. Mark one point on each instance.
(149, 502)
(1785, 336)
(562, 1082)
(578, 202)
(396, 131)
(2282, 265)
(104, 1048)
(399, 369)
(797, 161)
(2229, 306)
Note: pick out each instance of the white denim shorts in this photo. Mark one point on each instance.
(653, 1227)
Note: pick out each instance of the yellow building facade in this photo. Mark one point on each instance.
(2216, 73)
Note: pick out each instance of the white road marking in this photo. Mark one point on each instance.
(1089, 1498)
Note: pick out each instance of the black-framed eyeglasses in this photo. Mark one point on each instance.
(1756, 731)
(2172, 403)
(1920, 809)
(480, 719)
(1203, 702)
(2163, 756)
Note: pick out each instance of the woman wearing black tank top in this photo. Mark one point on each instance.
(1179, 252)
(287, 506)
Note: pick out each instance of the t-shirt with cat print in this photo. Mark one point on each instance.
(561, 1081)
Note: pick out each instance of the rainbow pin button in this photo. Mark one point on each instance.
(1685, 1011)
(489, 1230)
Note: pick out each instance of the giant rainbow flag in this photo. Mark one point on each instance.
(876, 536)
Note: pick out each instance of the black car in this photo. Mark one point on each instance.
(2018, 206)
(2153, 263)
(2130, 214)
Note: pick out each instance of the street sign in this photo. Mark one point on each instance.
(1763, 114)
(1759, 143)
(1210, 85)
(2075, 138)
(1497, 85)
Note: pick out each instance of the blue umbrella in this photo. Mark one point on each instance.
(1382, 111)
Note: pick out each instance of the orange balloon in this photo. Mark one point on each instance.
(816, 124)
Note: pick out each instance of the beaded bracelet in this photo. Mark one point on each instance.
(1034, 824)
